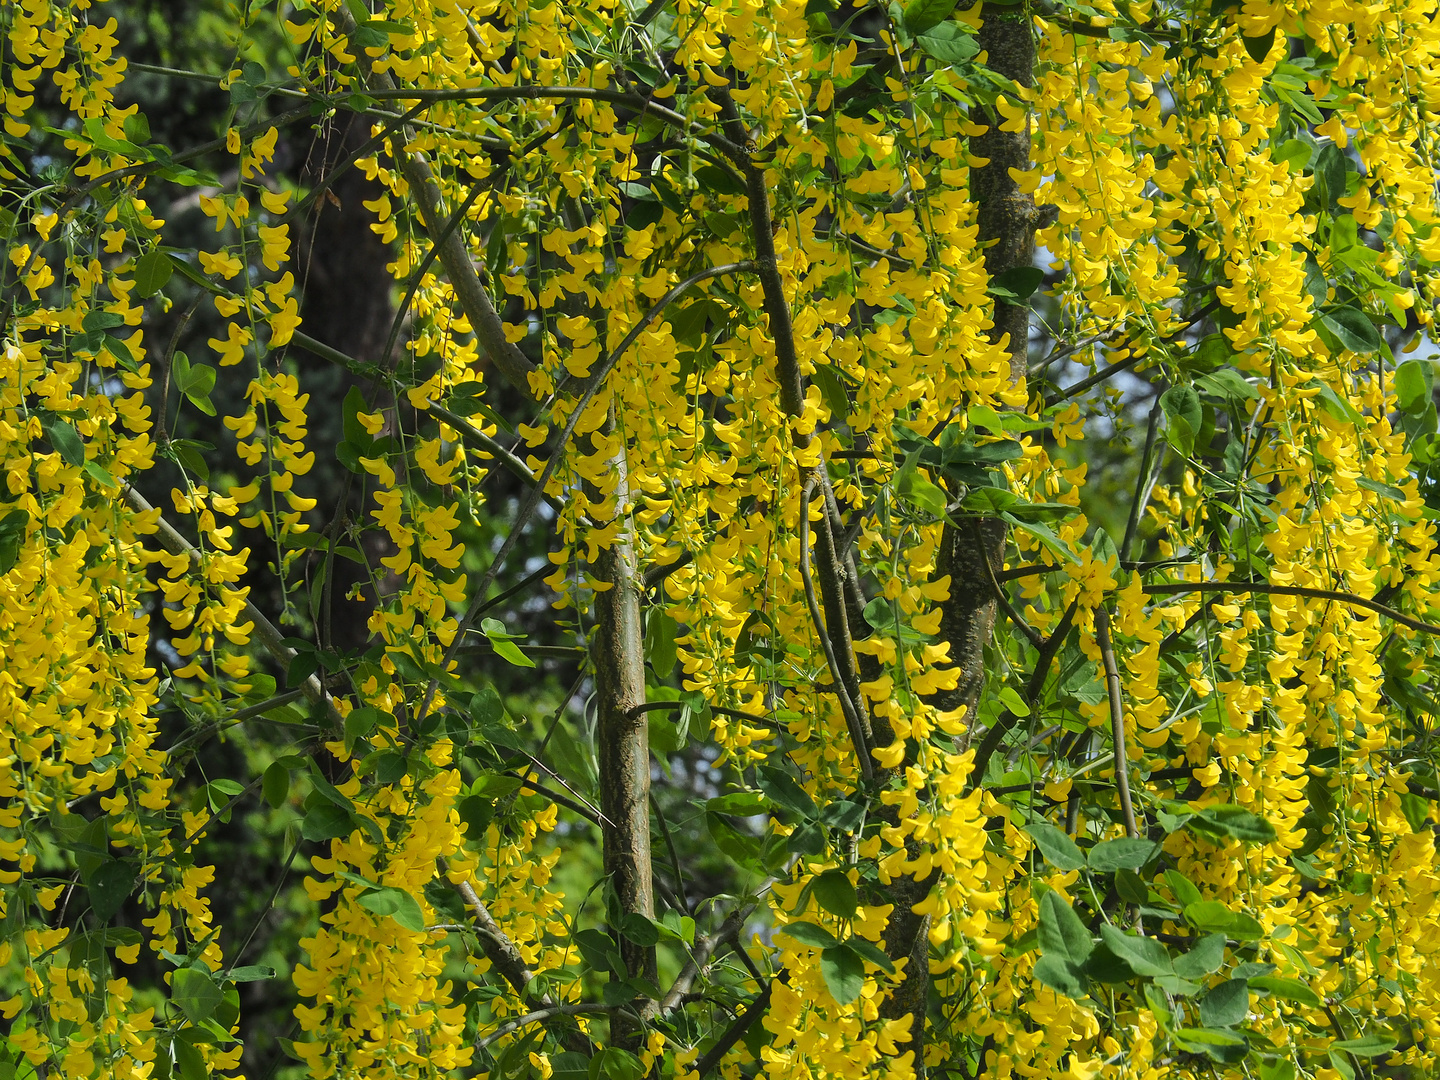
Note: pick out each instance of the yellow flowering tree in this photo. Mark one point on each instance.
(803, 327)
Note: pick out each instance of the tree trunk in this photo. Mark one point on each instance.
(1007, 222)
(624, 743)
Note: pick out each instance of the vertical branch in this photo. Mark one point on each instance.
(829, 567)
(623, 735)
(1007, 220)
(1117, 719)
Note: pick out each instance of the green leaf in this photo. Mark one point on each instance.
(807, 933)
(1353, 328)
(1213, 916)
(1065, 977)
(476, 813)
(922, 15)
(66, 441)
(1204, 958)
(739, 803)
(1061, 933)
(325, 822)
(276, 784)
(250, 973)
(13, 527)
(719, 180)
(832, 391)
(1218, 1044)
(873, 953)
(1294, 153)
(912, 486)
(1122, 853)
(1181, 405)
(1145, 956)
(781, 787)
(196, 379)
(1334, 404)
(492, 786)
(613, 1063)
(507, 650)
(109, 885)
(1226, 1004)
(189, 1063)
(327, 789)
(1341, 1064)
(660, 642)
(503, 644)
(396, 903)
(1016, 285)
(101, 476)
(1045, 535)
(1229, 385)
(1330, 168)
(1258, 48)
(137, 128)
(637, 928)
(834, 892)
(1238, 822)
(196, 993)
(1014, 703)
(1059, 850)
(152, 272)
(1286, 988)
(1414, 385)
(1372, 1045)
(844, 973)
(359, 723)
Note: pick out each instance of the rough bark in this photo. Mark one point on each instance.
(1007, 222)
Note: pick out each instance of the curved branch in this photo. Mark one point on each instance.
(1240, 587)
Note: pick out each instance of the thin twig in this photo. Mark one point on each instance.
(237, 717)
(1132, 523)
(1031, 634)
(852, 717)
(270, 638)
(700, 956)
(590, 814)
(673, 853)
(1239, 588)
(734, 1033)
(1117, 719)
(549, 1012)
(991, 742)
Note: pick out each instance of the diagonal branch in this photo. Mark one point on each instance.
(269, 636)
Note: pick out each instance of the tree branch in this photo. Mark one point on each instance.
(1241, 587)
(532, 498)
(847, 707)
(271, 640)
(1117, 719)
(541, 1015)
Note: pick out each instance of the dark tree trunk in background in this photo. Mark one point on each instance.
(348, 305)
(1007, 223)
